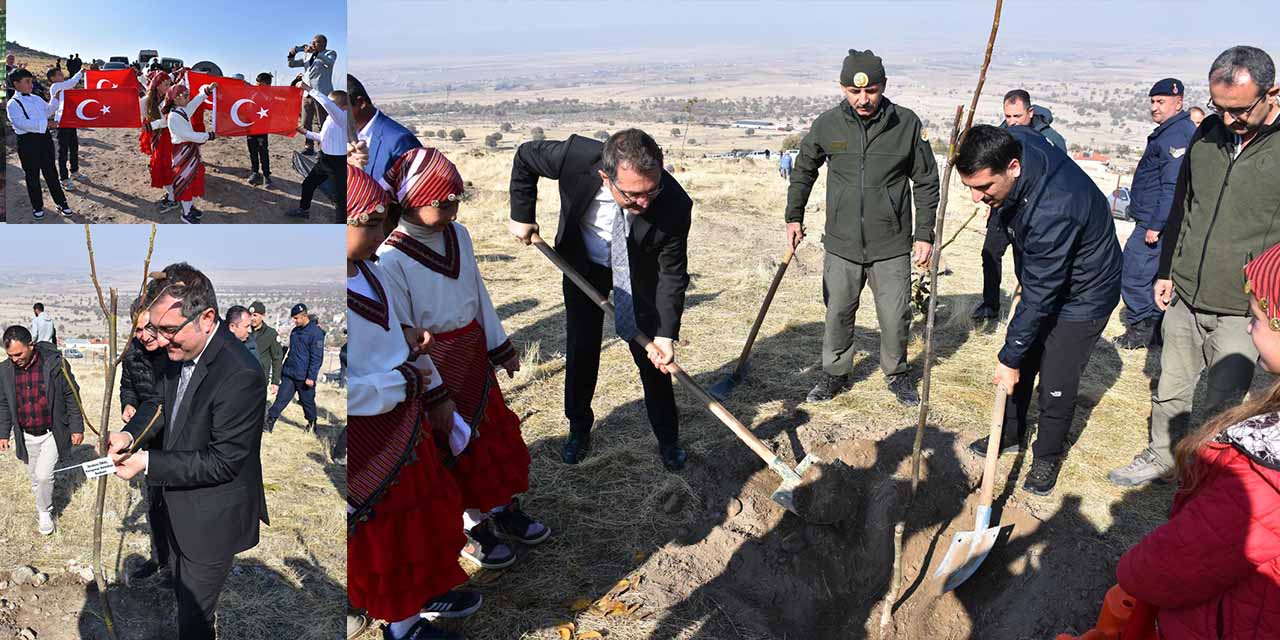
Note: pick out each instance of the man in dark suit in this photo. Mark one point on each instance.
(202, 458)
(609, 190)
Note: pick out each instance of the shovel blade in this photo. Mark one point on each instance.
(721, 390)
(784, 495)
(968, 550)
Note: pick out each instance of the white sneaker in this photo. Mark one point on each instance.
(38, 215)
(46, 523)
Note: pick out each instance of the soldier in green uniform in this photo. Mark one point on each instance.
(878, 157)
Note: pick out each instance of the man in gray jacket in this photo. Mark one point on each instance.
(317, 68)
(38, 403)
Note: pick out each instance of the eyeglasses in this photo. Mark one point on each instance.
(168, 334)
(1236, 114)
(630, 198)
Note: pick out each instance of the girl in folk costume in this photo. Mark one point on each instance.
(160, 145)
(188, 169)
(430, 263)
(403, 506)
(144, 93)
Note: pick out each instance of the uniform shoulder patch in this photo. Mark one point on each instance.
(1177, 152)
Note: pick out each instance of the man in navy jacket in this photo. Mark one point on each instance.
(301, 368)
(1152, 197)
(1068, 260)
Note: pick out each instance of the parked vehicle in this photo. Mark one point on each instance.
(73, 353)
(1120, 203)
(145, 56)
(122, 59)
(115, 66)
(171, 64)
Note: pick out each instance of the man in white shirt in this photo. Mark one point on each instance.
(333, 153)
(30, 114)
(68, 138)
(42, 325)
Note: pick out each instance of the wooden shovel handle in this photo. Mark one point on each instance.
(997, 422)
(709, 402)
(764, 309)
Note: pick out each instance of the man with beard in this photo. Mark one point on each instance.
(1224, 215)
(624, 225)
(1068, 260)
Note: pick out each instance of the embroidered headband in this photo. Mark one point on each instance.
(424, 177)
(364, 197)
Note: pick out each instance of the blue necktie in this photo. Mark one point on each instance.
(624, 317)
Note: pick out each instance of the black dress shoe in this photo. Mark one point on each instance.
(575, 448)
(904, 390)
(979, 447)
(673, 457)
(145, 570)
(985, 312)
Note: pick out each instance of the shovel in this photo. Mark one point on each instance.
(969, 548)
(791, 478)
(722, 389)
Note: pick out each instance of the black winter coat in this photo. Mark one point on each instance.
(139, 375)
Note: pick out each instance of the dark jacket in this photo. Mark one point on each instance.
(1041, 119)
(66, 413)
(206, 459)
(140, 375)
(1225, 213)
(252, 346)
(1156, 177)
(656, 248)
(306, 352)
(1066, 254)
(270, 351)
(873, 168)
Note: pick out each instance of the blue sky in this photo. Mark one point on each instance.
(61, 248)
(241, 37)
(386, 29)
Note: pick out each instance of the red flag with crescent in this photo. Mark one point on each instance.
(100, 109)
(251, 110)
(117, 79)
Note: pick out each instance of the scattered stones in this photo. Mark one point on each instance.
(84, 573)
(4, 584)
(22, 575)
(27, 634)
(39, 579)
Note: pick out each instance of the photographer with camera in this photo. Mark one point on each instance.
(317, 72)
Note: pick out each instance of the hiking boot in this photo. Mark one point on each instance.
(454, 604)
(422, 630)
(298, 212)
(673, 457)
(979, 447)
(513, 525)
(1043, 475)
(827, 388)
(485, 549)
(985, 312)
(1136, 335)
(356, 624)
(904, 390)
(255, 178)
(576, 447)
(1144, 468)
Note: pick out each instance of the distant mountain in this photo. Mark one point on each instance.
(37, 61)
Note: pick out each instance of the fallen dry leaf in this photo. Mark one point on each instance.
(590, 635)
(566, 630)
(581, 604)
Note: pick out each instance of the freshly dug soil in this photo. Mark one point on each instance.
(774, 575)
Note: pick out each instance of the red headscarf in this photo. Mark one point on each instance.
(173, 92)
(423, 177)
(364, 196)
(1262, 279)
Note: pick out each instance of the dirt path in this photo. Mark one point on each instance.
(116, 185)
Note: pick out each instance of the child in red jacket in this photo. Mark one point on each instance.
(1213, 570)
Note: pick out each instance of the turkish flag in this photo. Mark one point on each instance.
(196, 80)
(100, 109)
(251, 110)
(118, 79)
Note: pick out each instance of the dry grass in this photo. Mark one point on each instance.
(292, 585)
(608, 511)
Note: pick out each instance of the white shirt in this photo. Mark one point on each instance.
(29, 113)
(56, 89)
(180, 128)
(42, 328)
(374, 387)
(333, 133)
(597, 226)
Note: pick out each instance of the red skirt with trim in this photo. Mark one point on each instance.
(407, 552)
(161, 160)
(144, 141)
(495, 467)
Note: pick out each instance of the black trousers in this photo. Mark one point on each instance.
(584, 328)
(306, 397)
(196, 584)
(35, 154)
(328, 167)
(993, 249)
(159, 543)
(258, 155)
(1059, 356)
(68, 148)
